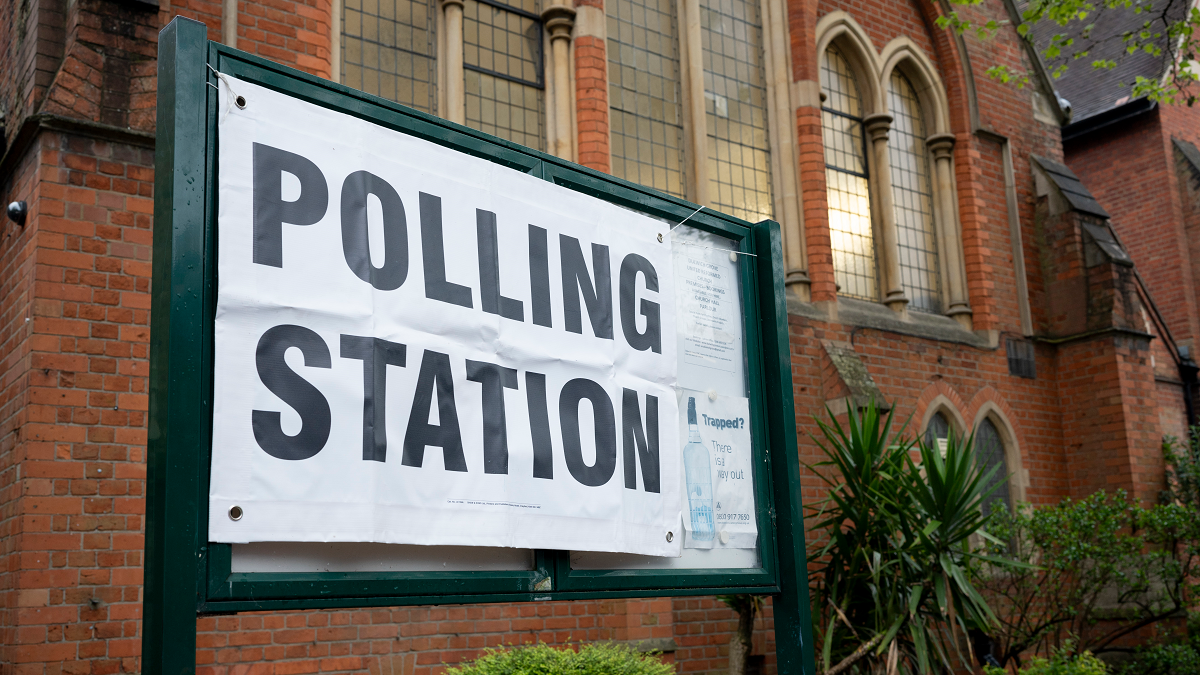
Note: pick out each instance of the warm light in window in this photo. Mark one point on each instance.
(850, 233)
(912, 197)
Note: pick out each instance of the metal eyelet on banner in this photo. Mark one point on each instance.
(235, 513)
(240, 101)
(660, 237)
(670, 536)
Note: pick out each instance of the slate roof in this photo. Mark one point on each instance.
(1068, 183)
(1094, 91)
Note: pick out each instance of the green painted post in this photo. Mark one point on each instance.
(178, 400)
(793, 623)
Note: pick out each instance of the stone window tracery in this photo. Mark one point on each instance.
(892, 202)
(688, 101)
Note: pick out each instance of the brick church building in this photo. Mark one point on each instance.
(965, 251)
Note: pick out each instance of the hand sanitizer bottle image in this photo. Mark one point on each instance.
(697, 471)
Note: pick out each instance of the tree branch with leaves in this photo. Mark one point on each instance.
(1065, 32)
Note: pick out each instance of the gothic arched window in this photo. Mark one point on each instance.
(937, 432)
(912, 197)
(850, 230)
(990, 453)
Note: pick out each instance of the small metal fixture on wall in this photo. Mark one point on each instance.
(17, 211)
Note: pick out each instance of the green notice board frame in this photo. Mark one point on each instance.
(186, 576)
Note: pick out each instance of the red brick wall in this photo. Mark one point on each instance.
(293, 32)
(912, 371)
(73, 517)
(1189, 197)
(702, 631)
(411, 641)
(107, 74)
(31, 50)
(1170, 406)
(1110, 416)
(884, 21)
(1130, 169)
(1179, 121)
(207, 12)
(17, 254)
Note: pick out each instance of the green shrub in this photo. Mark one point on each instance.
(1172, 653)
(1059, 663)
(1099, 569)
(541, 659)
(1163, 660)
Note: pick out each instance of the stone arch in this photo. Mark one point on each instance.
(840, 29)
(951, 54)
(943, 405)
(904, 54)
(940, 396)
(988, 404)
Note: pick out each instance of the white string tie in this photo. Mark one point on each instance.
(232, 94)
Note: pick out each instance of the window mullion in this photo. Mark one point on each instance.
(877, 127)
(695, 120)
(452, 18)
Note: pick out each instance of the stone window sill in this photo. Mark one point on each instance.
(863, 314)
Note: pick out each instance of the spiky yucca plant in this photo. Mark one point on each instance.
(891, 592)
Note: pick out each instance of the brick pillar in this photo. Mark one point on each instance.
(591, 85)
(76, 316)
(979, 250)
(292, 32)
(816, 205)
(1110, 423)
(1110, 419)
(18, 247)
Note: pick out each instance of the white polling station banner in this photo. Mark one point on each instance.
(413, 345)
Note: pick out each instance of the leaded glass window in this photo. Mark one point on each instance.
(850, 233)
(388, 50)
(937, 432)
(735, 93)
(912, 198)
(989, 454)
(646, 106)
(502, 60)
